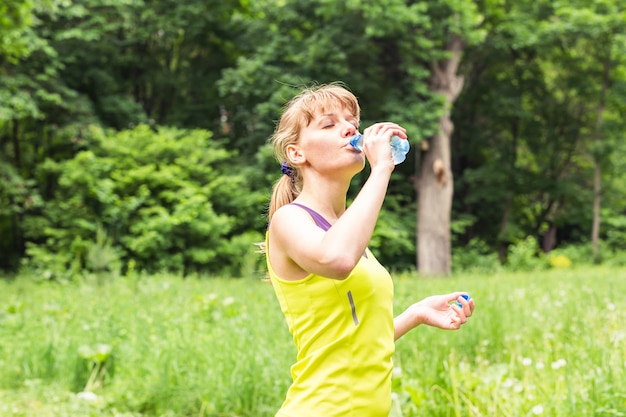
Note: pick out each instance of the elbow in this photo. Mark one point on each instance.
(339, 267)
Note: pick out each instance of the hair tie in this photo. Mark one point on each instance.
(287, 170)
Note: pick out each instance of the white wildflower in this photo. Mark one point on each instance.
(538, 409)
(559, 364)
(618, 336)
(527, 361)
(87, 396)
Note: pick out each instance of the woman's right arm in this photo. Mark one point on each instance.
(335, 253)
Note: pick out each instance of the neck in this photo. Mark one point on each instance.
(327, 197)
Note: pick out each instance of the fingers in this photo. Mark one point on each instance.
(460, 317)
(443, 311)
(456, 322)
(386, 128)
(463, 301)
(377, 139)
(463, 306)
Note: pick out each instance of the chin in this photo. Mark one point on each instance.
(360, 164)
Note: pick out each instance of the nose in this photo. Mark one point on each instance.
(349, 130)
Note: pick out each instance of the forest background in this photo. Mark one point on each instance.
(133, 133)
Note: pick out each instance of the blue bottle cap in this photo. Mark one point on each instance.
(466, 296)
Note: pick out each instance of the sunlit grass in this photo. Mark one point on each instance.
(549, 343)
(546, 343)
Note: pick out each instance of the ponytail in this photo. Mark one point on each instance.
(284, 192)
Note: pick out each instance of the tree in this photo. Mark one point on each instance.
(528, 119)
(519, 135)
(17, 18)
(593, 36)
(386, 55)
(515, 112)
(363, 45)
(454, 24)
(22, 95)
(165, 200)
(67, 65)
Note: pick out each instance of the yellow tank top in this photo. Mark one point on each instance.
(343, 332)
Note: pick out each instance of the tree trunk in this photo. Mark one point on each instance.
(17, 154)
(17, 217)
(595, 227)
(597, 171)
(511, 161)
(503, 243)
(435, 184)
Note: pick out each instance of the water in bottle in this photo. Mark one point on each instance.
(399, 147)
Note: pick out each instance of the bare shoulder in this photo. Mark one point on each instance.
(293, 229)
(292, 236)
(289, 220)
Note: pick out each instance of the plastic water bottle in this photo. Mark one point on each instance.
(399, 147)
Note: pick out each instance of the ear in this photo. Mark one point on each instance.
(295, 154)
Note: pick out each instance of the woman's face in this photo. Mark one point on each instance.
(325, 142)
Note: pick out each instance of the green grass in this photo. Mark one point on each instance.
(549, 343)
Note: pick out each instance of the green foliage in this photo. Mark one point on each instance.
(613, 226)
(67, 65)
(393, 241)
(379, 52)
(475, 257)
(18, 196)
(15, 21)
(534, 97)
(101, 256)
(95, 367)
(140, 63)
(525, 255)
(530, 125)
(168, 200)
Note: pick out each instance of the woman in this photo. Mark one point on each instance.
(336, 297)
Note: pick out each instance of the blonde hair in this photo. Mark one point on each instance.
(297, 114)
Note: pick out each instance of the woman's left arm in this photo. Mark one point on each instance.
(440, 311)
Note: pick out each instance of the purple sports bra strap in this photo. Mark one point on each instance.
(321, 222)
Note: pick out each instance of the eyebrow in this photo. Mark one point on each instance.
(351, 117)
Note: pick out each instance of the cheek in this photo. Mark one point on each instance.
(321, 157)
(318, 150)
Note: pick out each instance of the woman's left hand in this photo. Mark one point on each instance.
(442, 311)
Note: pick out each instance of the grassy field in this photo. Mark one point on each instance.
(549, 343)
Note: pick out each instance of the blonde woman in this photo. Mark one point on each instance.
(337, 299)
